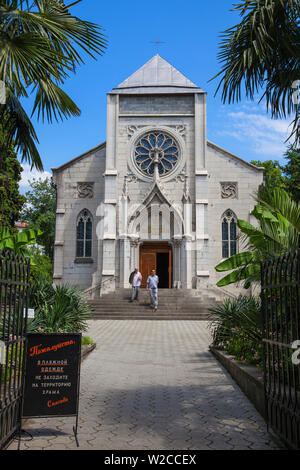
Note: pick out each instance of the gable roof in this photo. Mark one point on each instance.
(77, 159)
(157, 76)
(235, 157)
(103, 145)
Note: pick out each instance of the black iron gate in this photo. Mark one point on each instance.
(280, 281)
(14, 283)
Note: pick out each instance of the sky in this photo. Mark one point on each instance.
(190, 31)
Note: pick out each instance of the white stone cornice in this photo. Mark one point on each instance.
(203, 274)
(111, 201)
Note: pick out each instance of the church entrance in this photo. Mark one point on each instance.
(158, 256)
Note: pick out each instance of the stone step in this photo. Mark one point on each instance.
(132, 306)
(162, 301)
(141, 311)
(155, 314)
(152, 316)
(173, 305)
(167, 293)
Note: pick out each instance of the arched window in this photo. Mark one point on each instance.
(229, 234)
(84, 235)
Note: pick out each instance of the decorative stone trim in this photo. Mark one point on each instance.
(181, 177)
(85, 190)
(229, 190)
(155, 115)
(181, 129)
(178, 168)
(135, 243)
(177, 242)
(131, 130)
(129, 178)
(84, 261)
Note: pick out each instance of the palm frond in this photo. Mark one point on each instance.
(262, 53)
(278, 233)
(41, 44)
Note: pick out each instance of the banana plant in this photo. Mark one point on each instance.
(20, 242)
(278, 232)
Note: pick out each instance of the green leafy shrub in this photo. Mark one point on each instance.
(41, 266)
(237, 328)
(87, 341)
(58, 309)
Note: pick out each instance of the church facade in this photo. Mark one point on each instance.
(155, 195)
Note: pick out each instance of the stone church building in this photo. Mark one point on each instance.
(157, 194)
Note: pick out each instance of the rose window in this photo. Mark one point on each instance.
(156, 148)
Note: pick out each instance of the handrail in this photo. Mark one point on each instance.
(92, 289)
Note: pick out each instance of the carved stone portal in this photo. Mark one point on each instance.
(229, 190)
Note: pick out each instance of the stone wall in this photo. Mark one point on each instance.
(72, 198)
(81, 185)
(224, 168)
(161, 104)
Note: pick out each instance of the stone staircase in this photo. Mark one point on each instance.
(182, 304)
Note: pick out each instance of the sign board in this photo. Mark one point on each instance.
(30, 313)
(52, 375)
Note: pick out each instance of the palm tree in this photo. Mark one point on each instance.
(40, 45)
(278, 218)
(263, 53)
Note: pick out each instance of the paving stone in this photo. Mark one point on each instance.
(154, 385)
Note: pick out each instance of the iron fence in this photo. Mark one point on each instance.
(14, 285)
(280, 282)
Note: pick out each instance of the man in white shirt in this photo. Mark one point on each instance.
(152, 286)
(135, 280)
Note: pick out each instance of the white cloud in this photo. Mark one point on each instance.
(30, 174)
(263, 136)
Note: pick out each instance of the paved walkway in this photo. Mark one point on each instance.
(154, 385)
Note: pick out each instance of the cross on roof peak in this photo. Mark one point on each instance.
(157, 44)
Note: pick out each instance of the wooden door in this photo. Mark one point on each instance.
(147, 263)
(170, 268)
(149, 260)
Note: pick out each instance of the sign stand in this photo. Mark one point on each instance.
(52, 378)
(75, 430)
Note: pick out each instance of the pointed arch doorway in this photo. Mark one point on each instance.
(158, 256)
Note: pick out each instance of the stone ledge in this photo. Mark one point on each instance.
(250, 381)
(86, 350)
(248, 378)
(84, 261)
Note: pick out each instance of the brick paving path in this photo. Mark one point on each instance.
(154, 385)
